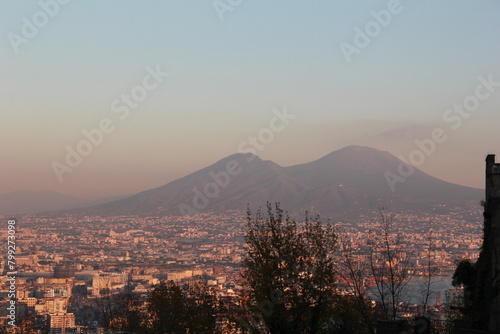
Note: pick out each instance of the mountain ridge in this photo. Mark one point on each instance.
(344, 181)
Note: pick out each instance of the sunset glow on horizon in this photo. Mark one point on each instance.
(139, 94)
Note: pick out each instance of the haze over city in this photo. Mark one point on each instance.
(233, 166)
(229, 73)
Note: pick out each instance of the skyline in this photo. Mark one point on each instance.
(228, 77)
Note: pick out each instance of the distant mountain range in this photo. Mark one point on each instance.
(350, 180)
(25, 201)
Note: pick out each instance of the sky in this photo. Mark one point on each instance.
(145, 92)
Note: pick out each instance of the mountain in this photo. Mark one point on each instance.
(357, 177)
(25, 201)
(350, 180)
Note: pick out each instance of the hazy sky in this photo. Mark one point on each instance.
(68, 67)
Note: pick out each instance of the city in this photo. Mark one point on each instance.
(64, 259)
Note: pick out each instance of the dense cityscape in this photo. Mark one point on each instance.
(61, 260)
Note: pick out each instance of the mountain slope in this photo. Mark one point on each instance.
(199, 191)
(359, 175)
(345, 181)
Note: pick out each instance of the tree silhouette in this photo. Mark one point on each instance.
(179, 309)
(389, 264)
(291, 274)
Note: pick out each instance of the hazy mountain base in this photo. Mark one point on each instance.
(345, 182)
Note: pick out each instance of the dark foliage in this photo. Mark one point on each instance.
(179, 309)
(290, 269)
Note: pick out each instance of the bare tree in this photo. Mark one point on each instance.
(352, 269)
(389, 266)
(432, 267)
